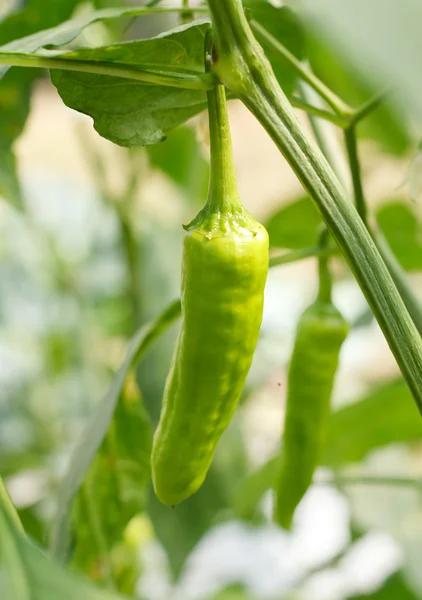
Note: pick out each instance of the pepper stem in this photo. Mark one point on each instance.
(325, 279)
(223, 195)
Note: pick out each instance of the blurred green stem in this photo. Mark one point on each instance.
(368, 107)
(325, 279)
(318, 112)
(355, 171)
(186, 16)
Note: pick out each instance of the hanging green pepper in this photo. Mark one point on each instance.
(320, 334)
(225, 264)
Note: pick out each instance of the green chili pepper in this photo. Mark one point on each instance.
(320, 334)
(225, 264)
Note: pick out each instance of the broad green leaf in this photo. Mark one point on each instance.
(403, 233)
(181, 159)
(26, 573)
(15, 88)
(281, 23)
(115, 487)
(98, 426)
(357, 31)
(181, 528)
(395, 588)
(387, 415)
(131, 113)
(294, 226)
(384, 125)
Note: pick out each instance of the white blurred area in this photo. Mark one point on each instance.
(62, 201)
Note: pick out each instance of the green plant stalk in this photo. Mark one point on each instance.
(326, 139)
(355, 171)
(243, 68)
(201, 82)
(368, 107)
(301, 254)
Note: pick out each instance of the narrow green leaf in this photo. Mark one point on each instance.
(131, 113)
(403, 233)
(294, 226)
(26, 573)
(283, 24)
(97, 428)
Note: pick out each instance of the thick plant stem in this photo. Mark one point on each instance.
(244, 69)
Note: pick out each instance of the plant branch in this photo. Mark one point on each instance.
(336, 103)
(296, 255)
(244, 69)
(355, 171)
(319, 112)
(177, 79)
(367, 108)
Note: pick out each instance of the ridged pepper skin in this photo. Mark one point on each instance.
(225, 264)
(320, 334)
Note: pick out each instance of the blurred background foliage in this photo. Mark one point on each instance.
(90, 250)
